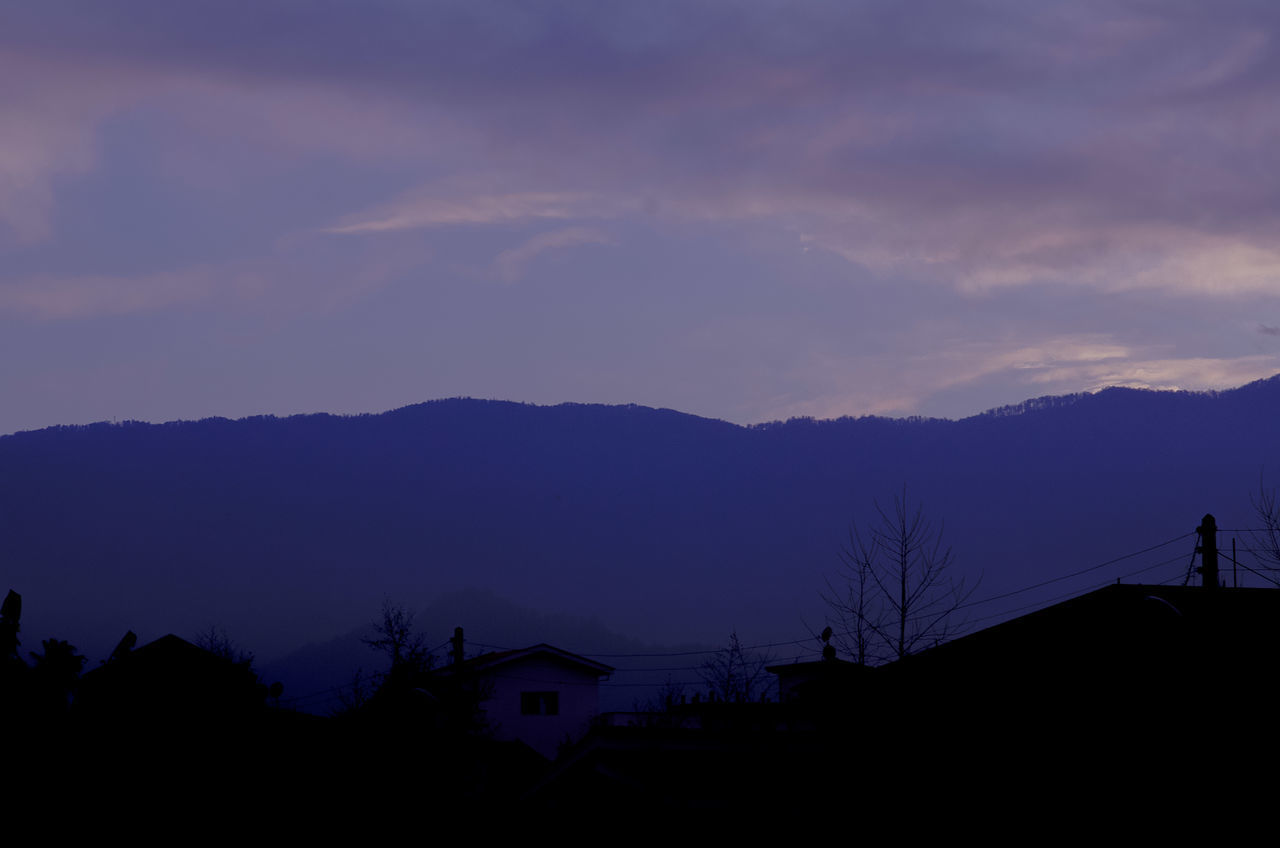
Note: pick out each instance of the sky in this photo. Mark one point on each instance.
(745, 210)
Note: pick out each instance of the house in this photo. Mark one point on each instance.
(542, 696)
(1142, 642)
(170, 679)
(1129, 692)
(823, 679)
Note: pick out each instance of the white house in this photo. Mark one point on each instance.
(541, 696)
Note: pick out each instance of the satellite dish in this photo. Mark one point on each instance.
(1160, 600)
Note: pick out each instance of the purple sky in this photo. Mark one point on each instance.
(742, 210)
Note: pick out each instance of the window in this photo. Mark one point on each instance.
(540, 703)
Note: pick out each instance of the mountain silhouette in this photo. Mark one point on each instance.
(664, 526)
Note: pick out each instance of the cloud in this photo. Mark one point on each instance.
(54, 298)
(981, 146)
(924, 382)
(511, 264)
(421, 211)
(1085, 363)
(297, 275)
(1192, 373)
(964, 163)
(833, 382)
(46, 133)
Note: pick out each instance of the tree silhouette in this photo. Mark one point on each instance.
(10, 618)
(735, 674)
(353, 697)
(216, 641)
(1266, 540)
(856, 604)
(895, 593)
(55, 672)
(394, 636)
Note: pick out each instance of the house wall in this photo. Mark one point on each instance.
(578, 695)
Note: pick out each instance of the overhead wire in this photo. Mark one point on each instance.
(1077, 592)
(333, 691)
(1235, 561)
(1062, 577)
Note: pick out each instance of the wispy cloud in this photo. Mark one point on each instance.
(50, 298)
(511, 264)
(418, 212)
(297, 275)
(1194, 373)
(1057, 366)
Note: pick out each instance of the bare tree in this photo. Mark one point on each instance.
(736, 674)
(857, 608)
(1266, 539)
(394, 635)
(216, 641)
(352, 698)
(669, 695)
(895, 593)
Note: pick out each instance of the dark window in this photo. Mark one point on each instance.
(540, 703)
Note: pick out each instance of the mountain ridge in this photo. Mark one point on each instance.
(667, 526)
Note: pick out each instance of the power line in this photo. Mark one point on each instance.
(1235, 561)
(335, 691)
(1074, 573)
(1077, 593)
(700, 653)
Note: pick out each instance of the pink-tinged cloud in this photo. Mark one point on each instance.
(48, 113)
(52, 298)
(987, 146)
(511, 264)
(296, 277)
(1060, 366)
(423, 210)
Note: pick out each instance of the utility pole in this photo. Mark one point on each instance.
(1208, 550)
(457, 645)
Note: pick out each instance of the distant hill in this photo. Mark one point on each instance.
(660, 525)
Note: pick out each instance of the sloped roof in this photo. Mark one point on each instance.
(172, 676)
(1119, 626)
(498, 659)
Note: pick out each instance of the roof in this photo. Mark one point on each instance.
(171, 676)
(1125, 634)
(497, 659)
(168, 652)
